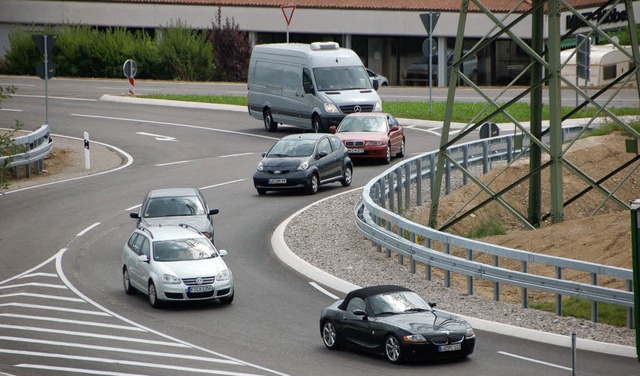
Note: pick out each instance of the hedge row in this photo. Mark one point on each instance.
(176, 53)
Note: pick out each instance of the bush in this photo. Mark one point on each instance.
(232, 50)
(23, 56)
(186, 54)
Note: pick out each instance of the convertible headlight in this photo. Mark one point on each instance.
(374, 143)
(260, 167)
(415, 338)
(224, 275)
(378, 107)
(470, 333)
(170, 279)
(331, 108)
(303, 166)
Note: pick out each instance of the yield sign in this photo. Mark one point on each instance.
(287, 10)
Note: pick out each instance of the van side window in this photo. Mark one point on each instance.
(267, 73)
(291, 77)
(306, 77)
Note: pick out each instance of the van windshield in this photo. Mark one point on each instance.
(341, 78)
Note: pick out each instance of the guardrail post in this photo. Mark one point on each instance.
(523, 290)
(391, 192)
(407, 186)
(418, 181)
(398, 188)
(465, 163)
(470, 278)
(485, 157)
(447, 176)
(427, 268)
(432, 174)
(558, 296)
(594, 304)
(412, 262)
(496, 285)
(400, 232)
(630, 310)
(509, 149)
(447, 274)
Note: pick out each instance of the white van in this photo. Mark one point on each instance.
(311, 86)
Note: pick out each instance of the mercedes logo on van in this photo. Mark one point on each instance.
(357, 108)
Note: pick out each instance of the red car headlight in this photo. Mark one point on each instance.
(374, 143)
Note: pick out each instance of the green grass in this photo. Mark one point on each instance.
(463, 112)
(489, 228)
(581, 308)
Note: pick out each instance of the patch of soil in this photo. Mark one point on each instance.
(603, 238)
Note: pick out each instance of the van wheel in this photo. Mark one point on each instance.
(269, 124)
(316, 124)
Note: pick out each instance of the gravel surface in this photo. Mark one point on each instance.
(342, 251)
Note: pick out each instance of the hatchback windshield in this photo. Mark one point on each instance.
(343, 78)
(292, 148)
(397, 302)
(173, 206)
(183, 250)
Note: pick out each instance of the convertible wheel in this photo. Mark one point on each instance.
(153, 296)
(401, 152)
(387, 159)
(126, 282)
(314, 184)
(347, 176)
(269, 124)
(330, 335)
(392, 349)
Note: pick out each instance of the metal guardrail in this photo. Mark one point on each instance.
(30, 149)
(378, 219)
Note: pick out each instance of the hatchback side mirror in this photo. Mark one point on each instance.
(322, 154)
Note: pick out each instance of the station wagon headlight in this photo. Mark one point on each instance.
(224, 275)
(415, 338)
(260, 167)
(378, 107)
(303, 166)
(331, 108)
(170, 279)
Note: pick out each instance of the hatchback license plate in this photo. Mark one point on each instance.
(356, 151)
(277, 181)
(205, 288)
(454, 347)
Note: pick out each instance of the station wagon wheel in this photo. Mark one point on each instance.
(314, 184)
(387, 158)
(347, 176)
(401, 152)
(316, 124)
(126, 282)
(153, 296)
(392, 349)
(269, 124)
(330, 335)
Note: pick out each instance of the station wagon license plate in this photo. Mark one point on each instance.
(454, 347)
(355, 151)
(205, 288)
(277, 181)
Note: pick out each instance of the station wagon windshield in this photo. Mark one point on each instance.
(342, 78)
(183, 250)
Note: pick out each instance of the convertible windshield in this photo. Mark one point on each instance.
(342, 78)
(183, 250)
(363, 124)
(397, 302)
(292, 148)
(173, 206)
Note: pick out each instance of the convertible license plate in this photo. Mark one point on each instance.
(355, 151)
(205, 288)
(454, 347)
(277, 181)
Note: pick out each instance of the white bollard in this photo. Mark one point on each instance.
(87, 155)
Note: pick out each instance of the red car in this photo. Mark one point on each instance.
(371, 135)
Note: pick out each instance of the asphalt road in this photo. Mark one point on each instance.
(62, 307)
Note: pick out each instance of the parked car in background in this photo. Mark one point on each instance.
(173, 206)
(175, 263)
(382, 80)
(303, 161)
(396, 322)
(371, 135)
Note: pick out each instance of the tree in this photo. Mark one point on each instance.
(231, 49)
(7, 145)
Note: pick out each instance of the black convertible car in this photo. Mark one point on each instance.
(396, 322)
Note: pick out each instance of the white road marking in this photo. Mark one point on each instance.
(43, 296)
(53, 275)
(172, 163)
(235, 155)
(221, 184)
(87, 229)
(77, 370)
(10, 110)
(50, 308)
(76, 322)
(323, 290)
(50, 97)
(34, 284)
(535, 361)
(133, 207)
(158, 137)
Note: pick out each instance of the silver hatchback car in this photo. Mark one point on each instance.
(175, 263)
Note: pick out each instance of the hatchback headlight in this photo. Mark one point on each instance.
(303, 166)
(415, 338)
(260, 167)
(170, 279)
(224, 275)
(331, 108)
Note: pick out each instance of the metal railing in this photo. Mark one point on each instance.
(390, 193)
(30, 150)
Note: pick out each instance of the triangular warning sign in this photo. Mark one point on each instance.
(287, 10)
